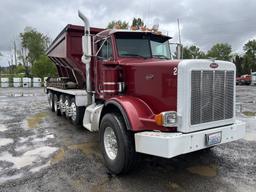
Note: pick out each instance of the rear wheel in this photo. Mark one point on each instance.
(67, 106)
(62, 104)
(50, 100)
(76, 113)
(56, 104)
(117, 144)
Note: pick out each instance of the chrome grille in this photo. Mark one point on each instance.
(211, 96)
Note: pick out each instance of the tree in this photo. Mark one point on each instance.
(43, 67)
(193, 52)
(137, 23)
(35, 42)
(221, 51)
(250, 56)
(118, 24)
(238, 60)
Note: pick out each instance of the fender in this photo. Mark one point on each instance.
(137, 114)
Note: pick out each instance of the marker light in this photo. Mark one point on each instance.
(166, 119)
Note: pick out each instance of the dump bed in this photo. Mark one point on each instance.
(66, 52)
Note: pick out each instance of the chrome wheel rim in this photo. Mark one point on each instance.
(66, 107)
(73, 111)
(55, 104)
(62, 108)
(50, 100)
(110, 143)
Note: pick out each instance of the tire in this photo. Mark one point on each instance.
(67, 106)
(62, 104)
(76, 113)
(51, 102)
(56, 104)
(119, 153)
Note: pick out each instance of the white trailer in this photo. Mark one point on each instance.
(26, 82)
(16, 82)
(4, 82)
(37, 82)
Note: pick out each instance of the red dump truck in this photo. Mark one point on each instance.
(124, 84)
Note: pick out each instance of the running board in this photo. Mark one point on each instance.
(92, 117)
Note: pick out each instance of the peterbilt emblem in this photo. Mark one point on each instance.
(149, 76)
(214, 65)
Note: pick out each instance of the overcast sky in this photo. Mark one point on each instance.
(203, 23)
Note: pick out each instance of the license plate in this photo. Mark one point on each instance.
(213, 138)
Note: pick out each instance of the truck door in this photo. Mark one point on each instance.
(104, 54)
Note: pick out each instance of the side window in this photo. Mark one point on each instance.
(105, 52)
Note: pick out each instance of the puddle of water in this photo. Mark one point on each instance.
(3, 128)
(204, 170)
(86, 148)
(8, 178)
(251, 123)
(23, 139)
(29, 157)
(4, 117)
(21, 94)
(36, 169)
(33, 121)
(58, 156)
(5, 141)
(22, 148)
(250, 136)
(249, 113)
(43, 138)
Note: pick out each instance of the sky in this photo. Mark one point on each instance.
(202, 23)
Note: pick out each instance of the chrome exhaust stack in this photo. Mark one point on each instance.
(87, 53)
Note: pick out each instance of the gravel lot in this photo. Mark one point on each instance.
(42, 152)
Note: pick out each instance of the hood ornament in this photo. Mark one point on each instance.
(214, 65)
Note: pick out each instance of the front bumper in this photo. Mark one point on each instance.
(169, 145)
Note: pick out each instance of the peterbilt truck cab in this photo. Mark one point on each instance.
(125, 85)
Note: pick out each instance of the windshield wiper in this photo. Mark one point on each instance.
(161, 56)
(133, 55)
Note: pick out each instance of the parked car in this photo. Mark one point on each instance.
(244, 80)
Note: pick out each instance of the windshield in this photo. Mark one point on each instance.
(142, 45)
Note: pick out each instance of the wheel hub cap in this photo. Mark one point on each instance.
(110, 143)
(73, 111)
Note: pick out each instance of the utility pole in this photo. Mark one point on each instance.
(15, 54)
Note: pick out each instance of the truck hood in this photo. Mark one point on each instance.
(152, 80)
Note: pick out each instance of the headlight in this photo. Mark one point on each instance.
(167, 119)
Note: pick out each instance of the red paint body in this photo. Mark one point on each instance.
(150, 84)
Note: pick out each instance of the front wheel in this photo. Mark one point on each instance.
(117, 144)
